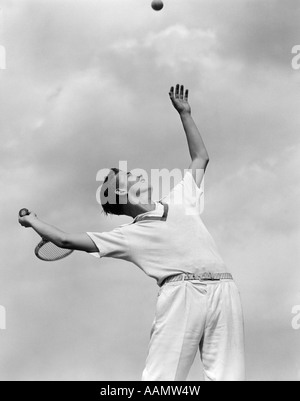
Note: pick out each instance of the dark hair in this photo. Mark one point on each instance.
(110, 201)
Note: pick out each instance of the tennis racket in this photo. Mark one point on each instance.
(46, 250)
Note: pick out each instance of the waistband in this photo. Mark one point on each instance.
(200, 277)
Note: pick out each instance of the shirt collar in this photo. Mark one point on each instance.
(158, 211)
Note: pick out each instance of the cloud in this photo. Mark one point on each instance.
(266, 32)
(254, 217)
(175, 47)
(262, 195)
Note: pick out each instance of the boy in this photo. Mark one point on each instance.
(198, 304)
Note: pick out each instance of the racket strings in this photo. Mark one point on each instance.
(49, 251)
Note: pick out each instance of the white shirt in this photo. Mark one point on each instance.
(170, 240)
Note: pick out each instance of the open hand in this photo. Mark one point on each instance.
(179, 98)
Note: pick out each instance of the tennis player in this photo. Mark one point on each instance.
(198, 305)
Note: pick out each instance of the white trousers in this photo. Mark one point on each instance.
(192, 315)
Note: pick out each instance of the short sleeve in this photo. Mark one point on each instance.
(110, 244)
(188, 193)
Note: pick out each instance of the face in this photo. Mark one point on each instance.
(138, 189)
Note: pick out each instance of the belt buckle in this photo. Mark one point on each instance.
(207, 276)
(210, 276)
(189, 276)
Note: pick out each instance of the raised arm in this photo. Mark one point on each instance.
(198, 152)
(79, 242)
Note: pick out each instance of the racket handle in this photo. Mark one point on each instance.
(23, 212)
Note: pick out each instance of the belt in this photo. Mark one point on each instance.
(200, 277)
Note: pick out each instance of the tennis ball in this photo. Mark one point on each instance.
(157, 5)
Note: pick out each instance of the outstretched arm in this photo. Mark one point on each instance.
(79, 242)
(198, 152)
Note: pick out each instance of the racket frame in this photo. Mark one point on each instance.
(44, 242)
(24, 212)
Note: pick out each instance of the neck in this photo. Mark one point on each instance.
(135, 210)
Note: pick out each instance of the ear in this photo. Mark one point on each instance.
(120, 192)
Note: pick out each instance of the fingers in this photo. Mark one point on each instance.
(179, 93)
(171, 93)
(22, 221)
(186, 96)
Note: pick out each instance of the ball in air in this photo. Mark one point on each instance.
(157, 5)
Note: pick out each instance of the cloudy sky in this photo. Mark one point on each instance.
(86, 85)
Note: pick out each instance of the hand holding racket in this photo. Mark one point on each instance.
(45, 250)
